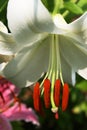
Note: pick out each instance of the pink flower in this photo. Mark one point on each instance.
(10, 111)
(4, 123)
(7, 93)
(21, 112)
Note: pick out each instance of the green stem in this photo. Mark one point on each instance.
(56, 8)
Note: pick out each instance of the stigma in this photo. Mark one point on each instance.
(53, 90)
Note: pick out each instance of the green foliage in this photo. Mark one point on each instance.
(82, 4)
(72, 7)
(17, 125)
(3, 5)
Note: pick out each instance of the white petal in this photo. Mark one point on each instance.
(28, 20)
(3, 27)
(75, 54)
(2, 67)
(83, 73)
(7, 44)
(68, 73)
(59, 21)
(78, 29)
(29, 64)
(79, 24)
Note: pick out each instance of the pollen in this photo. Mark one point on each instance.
(47, 86)
(65, 97)
(36, 97)
(57, 92)
(55, 102)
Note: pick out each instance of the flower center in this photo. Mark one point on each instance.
(50, 87)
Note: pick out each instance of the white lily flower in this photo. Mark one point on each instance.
(48, 45)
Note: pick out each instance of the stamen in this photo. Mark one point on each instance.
(65, 97)
(47, 93)
(36, 97)
(57, 92)
(50, 86)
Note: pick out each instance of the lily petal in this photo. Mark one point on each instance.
(21, 113)
(2, 65)
(3, 27)
(83, 73)
(76, 29)
(31, 20)
(79, 30)
(7, 44)
(4, 123)
(68, 73)
(59, 21)
(29, 64)
(79, 24)
(74, 54)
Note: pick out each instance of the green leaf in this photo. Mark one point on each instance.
(82, 4)
(3, 10)
(72, 7)
(82, 85)
(17, 125)
(80, 108)
(49, 4)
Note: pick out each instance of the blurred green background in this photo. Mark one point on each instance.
(75, 117)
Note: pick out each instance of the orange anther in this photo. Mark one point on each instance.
(65, 96)
(47, 93)
(36, 97)
(57, 92)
